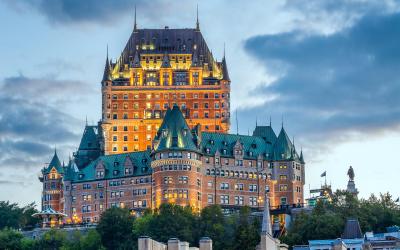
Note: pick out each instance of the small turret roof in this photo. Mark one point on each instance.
(283, 147)
(225, 74)
(54, 163)
(265, 132)
(174, 133)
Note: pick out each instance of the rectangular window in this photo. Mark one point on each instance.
(224, 186)
(239, 186)
(253, 201)
(239, 200)
(253, 188)
(224, 199)
(210, 199)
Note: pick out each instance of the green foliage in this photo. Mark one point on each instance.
(327, 220)
(53, 239)
(115, 229)
(247, 234)
(92, 241)
(12, 216)
(10, 239)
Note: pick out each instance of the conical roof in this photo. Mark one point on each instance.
(89, 138)
(107, 71)
(301, 157)
(352, 229)
(54, 163)
(174, 133)
(266, 219)
(283, 147)
(225, 74)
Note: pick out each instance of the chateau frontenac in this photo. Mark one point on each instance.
(163, 138)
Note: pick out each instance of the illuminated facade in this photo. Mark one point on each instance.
(184, 166)
(157, 69)
(163, 139)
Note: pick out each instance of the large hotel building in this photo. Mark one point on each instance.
(163, 138)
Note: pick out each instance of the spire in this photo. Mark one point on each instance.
(225, 74)
(134, 24)
(107, 69)
(256, 122)
(197, 18)
(270, 121)
(266, 220)
(301, 157)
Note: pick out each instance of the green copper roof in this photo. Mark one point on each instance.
(114, 167)
(253, 146)
(265, 132)
(54, 163)
(89, 148)
(174, 133)
(89, 139)
(283, 147)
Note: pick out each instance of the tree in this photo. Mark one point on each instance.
(10, 239)
(174, 221)
(212, 224)
(53, 239)
(115, 228)
(247, 234)
(10, 215)
(91, 241)
(27, 221)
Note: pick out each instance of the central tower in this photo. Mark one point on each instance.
(157, 69)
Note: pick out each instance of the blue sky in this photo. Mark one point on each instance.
(328, 68)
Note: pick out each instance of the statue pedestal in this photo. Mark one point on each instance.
(351, 187)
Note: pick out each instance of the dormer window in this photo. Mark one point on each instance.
(253, 145)
(115, 172)
(250, 153)
(207, 150)
(224, 151)
(212, 142)
(81, 176)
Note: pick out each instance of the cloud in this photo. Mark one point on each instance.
(329, 85)
(76, 11)
(32, 121)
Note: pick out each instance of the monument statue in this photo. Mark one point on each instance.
(350, 173)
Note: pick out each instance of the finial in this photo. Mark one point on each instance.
(282, 121)
(224, 52)
(256, 121)
(86, 121)
(135, 25)
(107, 51)
(197, 18)
(270, 121)
(55, 149)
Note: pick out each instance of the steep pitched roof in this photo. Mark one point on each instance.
(283, 147)
(265, 132)
(114, 166)
(166, 40)
(352, 229)
(225, 74)
(253, 146)
(54, 163)
(107, 71)
(174, 133)
(89, 138)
